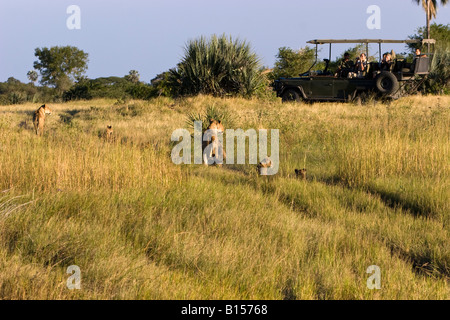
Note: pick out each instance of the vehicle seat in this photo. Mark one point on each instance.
(398, 65)
(421, 65)
(374, 66)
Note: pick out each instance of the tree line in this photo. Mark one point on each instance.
(220, 66)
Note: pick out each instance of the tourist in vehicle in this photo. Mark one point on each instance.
(361, 66)
(387, 62)
(419, 54)
(345, 66)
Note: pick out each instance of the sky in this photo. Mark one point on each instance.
(149, 36)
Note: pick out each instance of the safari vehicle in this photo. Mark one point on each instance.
(402, 79)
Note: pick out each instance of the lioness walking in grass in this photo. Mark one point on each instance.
(108, 134)
(216, 128)
(39, 119)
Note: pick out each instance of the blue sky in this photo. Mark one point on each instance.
(149, 36)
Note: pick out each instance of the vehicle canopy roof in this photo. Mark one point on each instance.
(325, 41)
(366, 42)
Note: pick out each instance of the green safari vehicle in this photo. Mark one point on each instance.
(402, 79)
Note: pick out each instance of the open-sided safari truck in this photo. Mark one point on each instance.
(401, 79)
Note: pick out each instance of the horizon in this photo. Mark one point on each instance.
(150, 36)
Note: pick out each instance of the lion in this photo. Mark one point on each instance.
(39, 119)
(301, 173)
(109, 134)
(263, 165)
(216, 127)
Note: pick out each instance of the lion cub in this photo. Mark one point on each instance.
(263, 165)
(39, 119)
(216, 128)
(301, 173)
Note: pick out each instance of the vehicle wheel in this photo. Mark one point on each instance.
(291, 95)
(386, 83)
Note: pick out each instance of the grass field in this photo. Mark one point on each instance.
(140, 227)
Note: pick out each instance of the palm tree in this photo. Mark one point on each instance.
(430, 7)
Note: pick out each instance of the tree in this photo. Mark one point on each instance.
(430, 7)
(60, 66)
(440, 32)
(14, 91)
(32, 76)
(133, 76)
(291, 63)
(13, 81)
(161, 85)
(218, 66)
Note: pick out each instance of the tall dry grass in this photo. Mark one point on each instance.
(140, 227)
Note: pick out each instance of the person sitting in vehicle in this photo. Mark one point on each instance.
(419, 54)
(383, 61)
(416, 58)
(387, 62)
(345, 66)
(361, 66)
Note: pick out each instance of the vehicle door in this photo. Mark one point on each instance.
(340, 88)
(321, 87)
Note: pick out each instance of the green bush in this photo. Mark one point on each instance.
(161, 86)
(140, 91)
(219, 66)
(108, 87)
(14, 91)
(291, 63)
(439, 32)
(439, 80)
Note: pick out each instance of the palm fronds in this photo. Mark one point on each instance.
(219, 66)
(211, 112)
(440, 70)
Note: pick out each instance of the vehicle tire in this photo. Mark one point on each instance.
(386, 83)
(291, 95)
